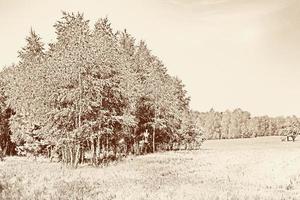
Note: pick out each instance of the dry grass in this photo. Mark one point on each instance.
(259, 168)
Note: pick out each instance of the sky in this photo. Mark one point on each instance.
(229, 53)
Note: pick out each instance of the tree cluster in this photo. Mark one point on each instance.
(92, 92)
(240, 124)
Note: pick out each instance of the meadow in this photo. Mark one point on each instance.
(256, 168)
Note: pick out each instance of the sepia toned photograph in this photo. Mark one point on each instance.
(149, 100)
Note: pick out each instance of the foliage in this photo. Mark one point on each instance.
(240, 124)
(7, 147)
(92, 89)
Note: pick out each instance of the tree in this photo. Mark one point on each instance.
(6, 145)
(94, 91)
(212, 124)
(225, 122)
(22, 92)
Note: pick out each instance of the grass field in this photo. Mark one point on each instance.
(258, 168)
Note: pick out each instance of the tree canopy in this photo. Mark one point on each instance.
(91, 89)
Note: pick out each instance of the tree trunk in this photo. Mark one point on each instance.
(77, 155)
(153, 139)
(107, 146)
(93, 151)
(98, 149)
(71, 155)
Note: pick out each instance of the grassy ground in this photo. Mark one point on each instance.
(258, 168)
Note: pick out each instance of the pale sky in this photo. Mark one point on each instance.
(229, 53)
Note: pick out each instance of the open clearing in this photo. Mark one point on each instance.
(257, 168)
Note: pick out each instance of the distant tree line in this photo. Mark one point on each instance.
(92, 91)
(240, 124)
